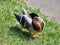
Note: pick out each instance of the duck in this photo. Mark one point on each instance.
(31, 21)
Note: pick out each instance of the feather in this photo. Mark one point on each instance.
(24, 12)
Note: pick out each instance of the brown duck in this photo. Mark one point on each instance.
(32, 22)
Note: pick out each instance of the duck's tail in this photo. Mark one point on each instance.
(17, 17)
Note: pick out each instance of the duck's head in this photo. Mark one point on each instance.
(38, 24)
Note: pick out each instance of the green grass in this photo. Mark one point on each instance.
(12, 33)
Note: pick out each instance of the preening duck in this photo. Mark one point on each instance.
(31, 21)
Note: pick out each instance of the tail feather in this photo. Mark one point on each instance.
(17, 17)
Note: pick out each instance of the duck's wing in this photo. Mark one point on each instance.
(24, 12)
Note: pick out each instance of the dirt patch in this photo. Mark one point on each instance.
(50, 8)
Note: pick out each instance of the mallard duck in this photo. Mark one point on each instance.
(31, 21)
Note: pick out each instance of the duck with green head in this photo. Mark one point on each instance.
(31, 21)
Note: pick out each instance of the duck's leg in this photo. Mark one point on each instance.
(34, 35)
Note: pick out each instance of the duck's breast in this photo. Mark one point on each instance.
(37, 24)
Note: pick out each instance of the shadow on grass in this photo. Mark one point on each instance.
(20, 33)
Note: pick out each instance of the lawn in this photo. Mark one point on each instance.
(13, 34)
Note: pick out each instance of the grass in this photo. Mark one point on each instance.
(12, 33)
